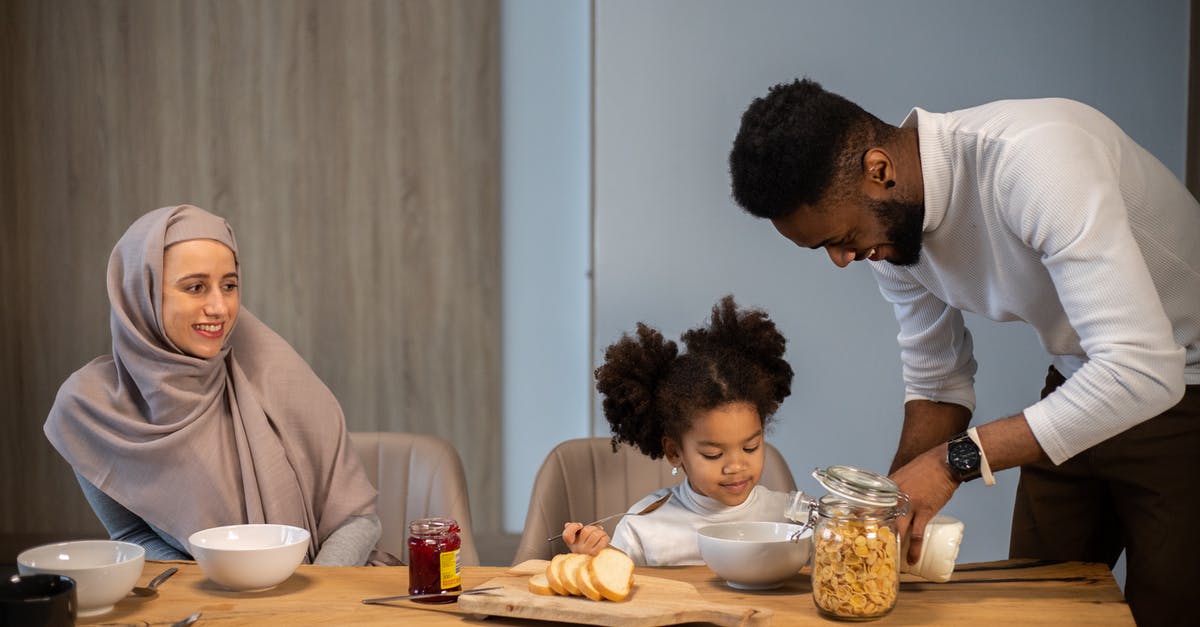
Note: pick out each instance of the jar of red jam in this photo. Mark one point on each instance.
(433, 567)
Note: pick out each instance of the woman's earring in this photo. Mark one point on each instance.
(674, 471)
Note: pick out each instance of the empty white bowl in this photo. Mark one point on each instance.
(104, 570)
(248, 558)
(755, 555)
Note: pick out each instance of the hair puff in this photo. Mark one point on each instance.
(651, 391)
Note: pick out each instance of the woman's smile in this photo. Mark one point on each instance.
(212, 331)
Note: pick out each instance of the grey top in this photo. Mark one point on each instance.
(349, 545)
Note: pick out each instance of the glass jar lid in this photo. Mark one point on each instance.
(859, 487)
(425, 527)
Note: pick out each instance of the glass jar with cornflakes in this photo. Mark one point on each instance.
(856, 548)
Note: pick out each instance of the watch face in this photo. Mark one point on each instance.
(963, 457)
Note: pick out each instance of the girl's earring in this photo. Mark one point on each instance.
(674, 471)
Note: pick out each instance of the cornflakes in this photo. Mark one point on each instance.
(854, 568)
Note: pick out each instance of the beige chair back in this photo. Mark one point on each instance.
(417, 476)
(583, 480)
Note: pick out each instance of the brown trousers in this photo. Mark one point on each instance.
(1138, 491)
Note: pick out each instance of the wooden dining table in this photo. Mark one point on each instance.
(1014, 592)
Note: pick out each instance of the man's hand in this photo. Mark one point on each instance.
(927, 479)
(929, 484)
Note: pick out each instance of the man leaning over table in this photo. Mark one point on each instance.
(1042, 211)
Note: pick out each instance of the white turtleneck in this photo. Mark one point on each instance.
(1044, 211)
(667, 536)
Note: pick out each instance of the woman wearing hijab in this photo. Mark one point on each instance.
(202, 416)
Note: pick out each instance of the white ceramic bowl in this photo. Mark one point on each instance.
(755, 555)
(249, 557)
(104, 570)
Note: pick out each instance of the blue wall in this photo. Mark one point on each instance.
(545, 95)
(671, 81)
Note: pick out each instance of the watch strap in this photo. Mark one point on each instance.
(985, 470)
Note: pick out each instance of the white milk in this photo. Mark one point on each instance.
(939, 550)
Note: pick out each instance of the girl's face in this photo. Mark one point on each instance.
(200, 296)
(722, 453)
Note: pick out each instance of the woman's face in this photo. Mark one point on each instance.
(722, 453)
(200, 296)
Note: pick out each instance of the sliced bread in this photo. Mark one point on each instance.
(585, 583)
(554, 573)
(611, 571)
(570, 571)
(539, 585)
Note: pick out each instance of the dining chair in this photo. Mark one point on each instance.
(417, 476)
(583, 480)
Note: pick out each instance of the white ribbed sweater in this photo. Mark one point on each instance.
(667, 536)
(1045, 211)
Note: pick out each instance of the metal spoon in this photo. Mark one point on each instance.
(646, 510)
(151, 588)
(187, 621)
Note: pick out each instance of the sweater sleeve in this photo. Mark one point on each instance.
(935, 345)
(126, 526)
(351, 543)
(1065, 203)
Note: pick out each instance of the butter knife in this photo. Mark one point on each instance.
(431, 595)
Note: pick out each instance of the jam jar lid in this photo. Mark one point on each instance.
(433, 526)
(860, 487)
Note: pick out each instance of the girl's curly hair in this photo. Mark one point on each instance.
(651, 391)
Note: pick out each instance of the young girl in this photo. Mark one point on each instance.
(704, 410)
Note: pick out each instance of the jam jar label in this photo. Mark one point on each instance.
(449, 570)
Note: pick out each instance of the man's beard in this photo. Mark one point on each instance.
(902, 223)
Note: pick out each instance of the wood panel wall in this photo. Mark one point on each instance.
(354, 147)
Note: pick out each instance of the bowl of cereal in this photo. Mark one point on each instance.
(755, 555)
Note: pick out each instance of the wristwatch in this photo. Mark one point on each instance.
(963, 457)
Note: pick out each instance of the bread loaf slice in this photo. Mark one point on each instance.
(586, 586)
(611, 571)
(554, 573)
(570, 571)
(539, 585)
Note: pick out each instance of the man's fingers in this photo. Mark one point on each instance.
(917, 537)
(914, 549)
(902, 526)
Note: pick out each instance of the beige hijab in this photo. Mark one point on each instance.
(249, 436)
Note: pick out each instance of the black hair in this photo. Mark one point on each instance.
(794, 144)
(651, 390)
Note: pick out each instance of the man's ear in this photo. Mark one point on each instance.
(879, 171)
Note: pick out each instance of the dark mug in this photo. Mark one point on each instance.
(37, 601)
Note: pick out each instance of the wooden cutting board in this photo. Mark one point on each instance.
(654, 601)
